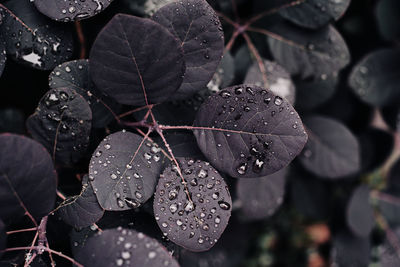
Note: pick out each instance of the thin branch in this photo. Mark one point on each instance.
(21, 231)
(227, 19)
(133, 111)
(81, 38)
(259, 60)
(231, 42)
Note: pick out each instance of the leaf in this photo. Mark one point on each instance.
(224, 75)
(61, 10)
(75, 75)
(376, 78)
(31, 38)
(194, 214)
(183, 144)
(332, 151)
(314, 14)
(27, 178)
(359, 213)
(388, 18)
(123, 247)
(261, 197)
(388, 255)
(248, 132)
(136, 60)
(62, 123)
(81, 210)
(3, 55)
(124, 170)
(200, 33)
(308, 53)
(279, 79)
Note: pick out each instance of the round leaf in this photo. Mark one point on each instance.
(332, 151)
(247, 131)
(62, 123)
(75, 75)
(200, 33)
(136, 60)
(27, 177)
(360, 214)
(81, 210)
(308, 53)
(33, 39)
(123, 247)
(315, 13)
(376, 78)
(62, 10)
(194, 213)
(124, 170)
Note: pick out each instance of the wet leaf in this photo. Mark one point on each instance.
(308, 53)
(124, 170)
(123, 247)
(27, 178)
(62, 10)
(376, 78)
(360, 214)
(247, 131)
(195, 213)
(62, 123)
(200, 33)
(31, 38)
(314, 14)
(332, 151)
(279, 80)
(75, 75)
(81, 210)
(128, 63)
(261, 197)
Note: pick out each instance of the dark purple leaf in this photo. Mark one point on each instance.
(27, 178)
(224, 75)
(123, 247)
(33, 39)
(388, 18)
(3, 55)
(279, 80)
(81, 210)
(75, 75)
(388, 254)
(247, 131)
(193, 212)
(62, 10)
(200, 33)
(3, 237)
(332, 151)
(315, 13)
(136, 60)
(261, 197)
(183, 144)
(359, 213)
(124, 170)
(62, 123)
(308, 53)
(376, 78)
(350, 251)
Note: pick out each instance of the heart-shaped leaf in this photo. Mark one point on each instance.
(247, 131)
(360, 214)
(261, 197)
(28, 179)
(376, 78)
(136, 61)
(33, 39)
(200, 33)
(81, 210)
(279, 80)
(75, 75)
(332, 151)
(308, 53)
(62, 123)
(62, 10)
(124, 170)
(123, 247)
(315, 13)
(192, 210)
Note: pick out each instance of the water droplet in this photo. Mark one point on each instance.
(113, 176)
(152, 255)
(224, 205)
(202, 173)
(278, 100)
(242, 168)
(107, 146)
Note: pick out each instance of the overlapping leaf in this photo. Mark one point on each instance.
(360, 214)
(247, 131)
(33, 39)
(200, 33)
(124, 170)
(28, 179)
(193, 210)
(136, 61)
(62, 123)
